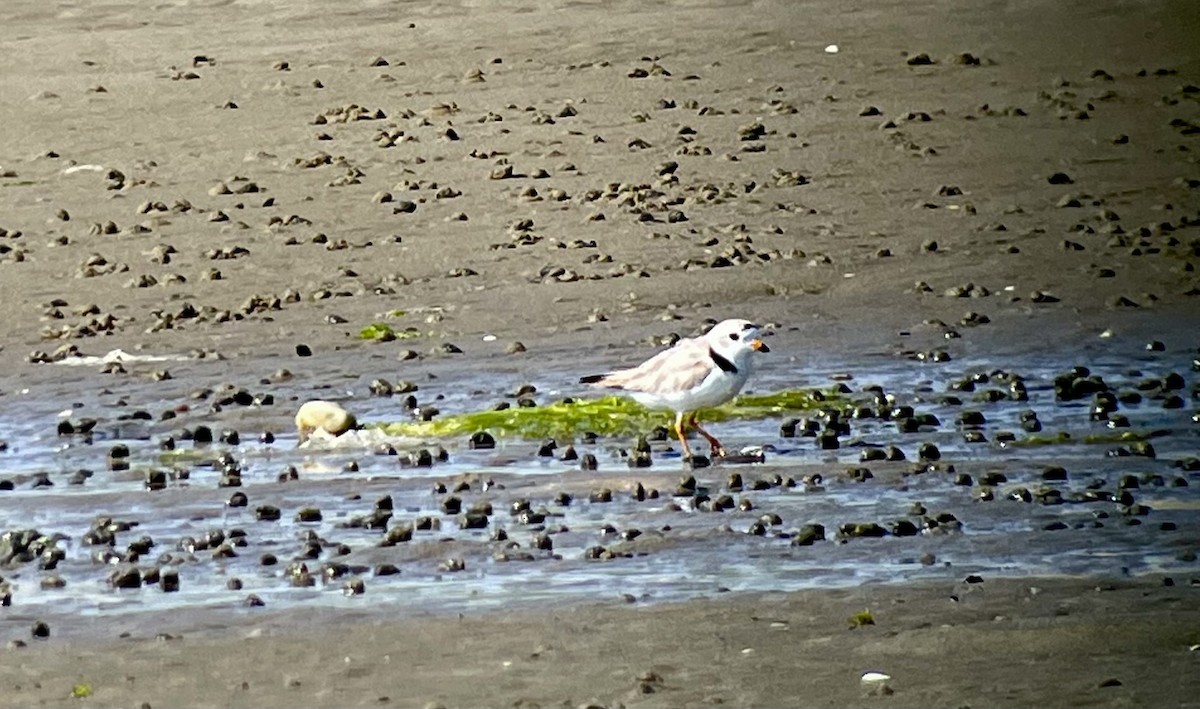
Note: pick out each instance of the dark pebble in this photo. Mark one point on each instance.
(993, 478)
(156, 479)
(971, 418)
(482, 441)
(860, 475)
(861, 529)
(308, 514)
(871, 454)
(723, 502)
(168, 580)
(398, 534)
(473, 520)
(1054, 473)
(808, 534)
(129, 577)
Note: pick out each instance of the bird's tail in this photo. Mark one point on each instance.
(592, 379)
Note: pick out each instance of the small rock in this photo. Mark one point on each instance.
(325, 415)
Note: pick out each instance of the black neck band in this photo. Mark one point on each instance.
(724, 364)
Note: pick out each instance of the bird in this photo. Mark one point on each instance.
(696, 373)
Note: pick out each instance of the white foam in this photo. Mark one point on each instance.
(118, 356)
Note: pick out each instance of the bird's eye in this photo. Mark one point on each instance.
(733, 336)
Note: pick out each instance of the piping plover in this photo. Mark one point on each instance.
(696, 373)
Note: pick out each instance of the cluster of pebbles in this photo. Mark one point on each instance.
(393, 192)
(334, 191)
(950, 478)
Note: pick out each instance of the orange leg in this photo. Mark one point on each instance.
(687, 450)
(718, 451)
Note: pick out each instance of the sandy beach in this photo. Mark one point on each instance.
(540, 191)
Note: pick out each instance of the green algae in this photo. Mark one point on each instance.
(861, 618)
(606, 416)
(383, 332)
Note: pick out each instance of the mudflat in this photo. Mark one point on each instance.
(523, 189)
(1009, 642)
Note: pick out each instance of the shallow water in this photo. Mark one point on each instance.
(682, 552)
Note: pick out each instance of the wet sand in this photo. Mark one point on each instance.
(236, 180)
(1003, 643)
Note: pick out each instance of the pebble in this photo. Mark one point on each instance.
(673, 197)
(808, 535)
(481, 440)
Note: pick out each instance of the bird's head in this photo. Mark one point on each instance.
(736, 339)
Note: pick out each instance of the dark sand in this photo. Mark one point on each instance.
(125, 113)
(1012, 643)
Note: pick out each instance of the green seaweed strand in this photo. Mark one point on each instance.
(606, 416)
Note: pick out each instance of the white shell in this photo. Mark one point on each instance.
(324, 415)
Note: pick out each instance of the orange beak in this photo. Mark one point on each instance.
(759, 346)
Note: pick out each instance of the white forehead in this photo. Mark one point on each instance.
(725, 327)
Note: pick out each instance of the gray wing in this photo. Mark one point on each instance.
(680, 368)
